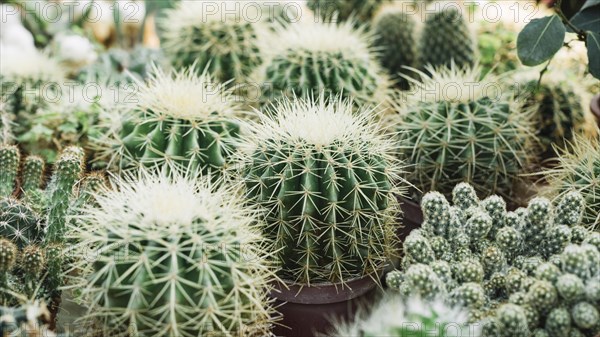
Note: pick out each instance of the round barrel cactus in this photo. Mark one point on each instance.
(578, 169)
(362, 11)
(326, 179)
(307, 59)
(396, 42)
(456, 127)
(176, 257)
(447, 39)
(562, 108)
(181, 120)
(220, 35)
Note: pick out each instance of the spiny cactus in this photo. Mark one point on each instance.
(578, 170)
(395, 316)
(525, 278)
(308, 59)
(9, 165)
(562, 109)
(362, 11)
(447, 40)
(181, 120)
(497, 45)
(196, 262)
(28, 81)
(395, 42)
(455, 127)
(326, 179)
(34, 220)
(227, 45)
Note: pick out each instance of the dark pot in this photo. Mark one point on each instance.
(595, 107)
(310, 311)
(412, 217)
(53, 308)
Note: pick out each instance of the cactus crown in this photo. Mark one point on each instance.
(579, 170)
(200, 264)
(513, 271)
(318, 167)
(31, 67)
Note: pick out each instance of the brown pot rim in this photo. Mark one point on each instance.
(326, 292)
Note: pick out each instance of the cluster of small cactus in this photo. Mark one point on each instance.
(456, 127)
(363, 11)
(326, 178)
(180, 120)
(578, 169)
(535, 270)
(562, 109)
(227, 45)
(396, 316)
(447, 39)
(175, 256)
(33, 221)
(396, 44)
(308, 59)
(497, 45)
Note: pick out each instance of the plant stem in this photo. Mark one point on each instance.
(558, 8)
(543, 71)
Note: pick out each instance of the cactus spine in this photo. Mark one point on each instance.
(181, 120)
(451, 130)
(447, 40)
(308, 59)
(326, 179)
(227, 46)
(196, 262)
(9, 165)
(395, 40)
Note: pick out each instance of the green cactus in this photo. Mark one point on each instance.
(447, 40)
(9, 165)
(452, 131)
(497, 46)
(395, 41)
(562, 109)
(326, 179)
(308, 59)
(529, 279)
(19, 223)
(363, 11)
(180, 121)
(196, 261)
(578, 170)
(226, 45)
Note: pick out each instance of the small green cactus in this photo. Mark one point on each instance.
(325, 177)
(578, 170)
(363, 11)
(9, 165)
(528, 279)
(226, 45)
(447, 40)
(395, 42)
(452, 131)
(197, 260)
(181, 121)
(308, 59)
(497, 46)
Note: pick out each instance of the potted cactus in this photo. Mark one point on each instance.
(326, 180)
(34, 222)
(191, 260)
(533, 271)
(454, 127)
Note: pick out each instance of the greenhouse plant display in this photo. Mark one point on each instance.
(364, 168)
(329, 197)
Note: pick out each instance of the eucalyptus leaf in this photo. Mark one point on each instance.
(540, 40)
(593, 47)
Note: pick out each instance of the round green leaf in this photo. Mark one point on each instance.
(540, 40)
(593, 47)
